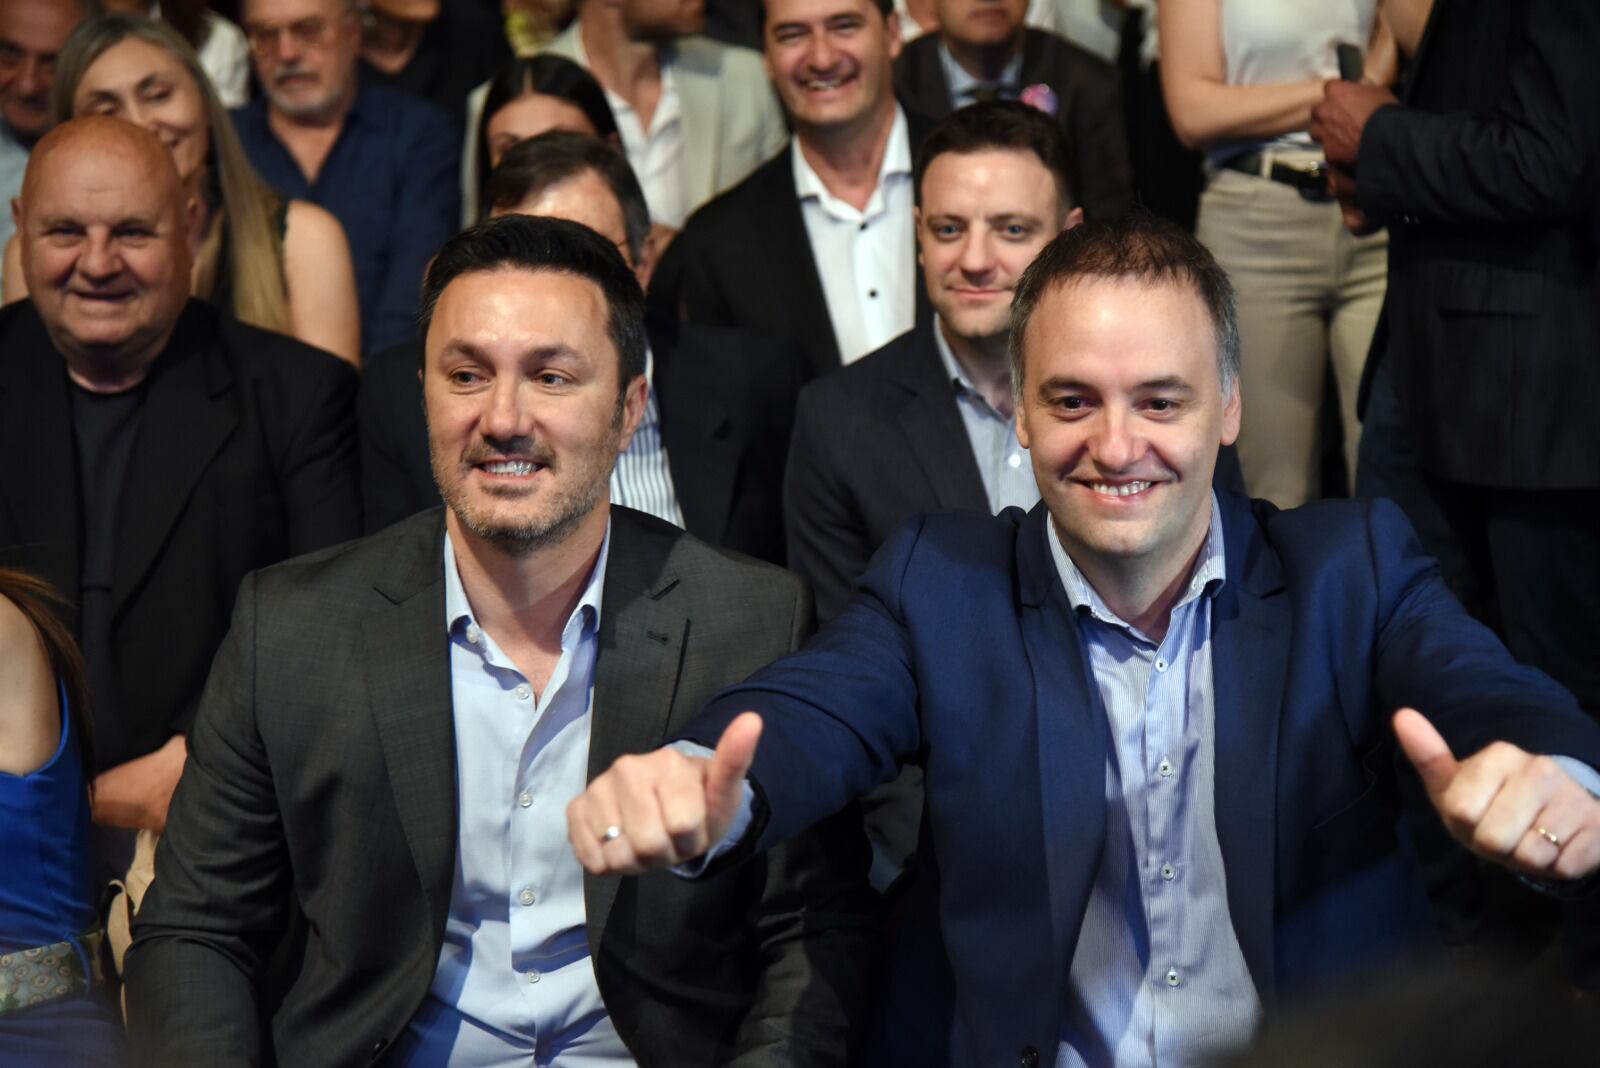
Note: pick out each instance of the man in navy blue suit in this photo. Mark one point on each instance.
(1157, 724)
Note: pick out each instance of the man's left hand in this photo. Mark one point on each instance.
(135, 795)
(1337, 122)
(1507, 805)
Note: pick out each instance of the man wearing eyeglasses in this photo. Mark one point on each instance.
(31, 33)
(383, 162)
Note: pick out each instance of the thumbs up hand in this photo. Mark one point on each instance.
(1507, 805)
(660, 809)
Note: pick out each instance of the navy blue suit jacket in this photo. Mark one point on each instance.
(960, 651)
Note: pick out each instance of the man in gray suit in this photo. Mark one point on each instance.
(368, 851)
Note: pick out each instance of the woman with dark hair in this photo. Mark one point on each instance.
(51, 1006)
(527, 98)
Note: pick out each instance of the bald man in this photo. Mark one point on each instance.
(31, 33)
(151, 452)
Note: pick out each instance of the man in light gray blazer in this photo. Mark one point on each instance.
(368, 852)
(695, 115)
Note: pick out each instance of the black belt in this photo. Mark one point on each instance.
(1310, 181)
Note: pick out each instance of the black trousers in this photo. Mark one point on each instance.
(1526, 562)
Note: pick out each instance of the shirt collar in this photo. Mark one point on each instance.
(1210, 571)
(896, 161)
(667, 109)
(952, 367)
(585, 615)
(962, 84)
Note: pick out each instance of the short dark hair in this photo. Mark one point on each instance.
(546, 75)
(538, 243)
(534, 165)
(1136, 246)
(1003, 125)
(885, 8)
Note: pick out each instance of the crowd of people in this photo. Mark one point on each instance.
(792, 532)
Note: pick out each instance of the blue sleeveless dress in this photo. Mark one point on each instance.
(47, 895)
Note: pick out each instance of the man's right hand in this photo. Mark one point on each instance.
(660, 809)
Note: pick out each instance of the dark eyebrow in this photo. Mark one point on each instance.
(538, 352)
(1165, 384)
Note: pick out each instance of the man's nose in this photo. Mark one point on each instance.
(977, 255)
(821, 54)
(32, 78)
(508, 414)
(1115, 443)
(100, 259)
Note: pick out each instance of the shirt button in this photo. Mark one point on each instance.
(873, 293)
(473, 634)
(526, 897)
(523, 693)
(1161, 665)
(1172, 977)
(1014, 461)
(1168, 872)
(863, 226)
(1165, 767)
(534, 976)
(525, 799)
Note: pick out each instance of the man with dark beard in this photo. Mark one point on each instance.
(393, 730)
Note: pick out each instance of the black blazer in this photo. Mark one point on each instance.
(1089, 107)
(317, 819)
(1489, 181)
(727, 406)
(744, 259)
(246, 455)
(874, 444)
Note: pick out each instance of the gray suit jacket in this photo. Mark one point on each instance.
(306, 870)
(731, 119)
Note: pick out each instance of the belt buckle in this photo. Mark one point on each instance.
(1315, 190)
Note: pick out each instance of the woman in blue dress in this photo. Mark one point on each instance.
(52, 1008)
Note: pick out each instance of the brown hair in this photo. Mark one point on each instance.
(39, 602)
(239, 200)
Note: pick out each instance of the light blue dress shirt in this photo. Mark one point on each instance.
(964, 87)
(515, 984)
(641, 479)
(1157, 977)
(1002, 461)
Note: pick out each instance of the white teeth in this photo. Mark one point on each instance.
(1126, 489)
(511, 467)
(819, 84)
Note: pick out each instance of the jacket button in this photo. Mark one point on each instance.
(378, 1047)
(1030, 1057)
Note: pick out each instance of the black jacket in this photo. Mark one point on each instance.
(1488, 178)
(1088, 94)
(246, 455)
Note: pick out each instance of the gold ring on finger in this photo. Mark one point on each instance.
(1549, 836)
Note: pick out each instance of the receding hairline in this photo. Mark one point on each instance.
(1127, 281)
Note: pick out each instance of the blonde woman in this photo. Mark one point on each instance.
(279, 264)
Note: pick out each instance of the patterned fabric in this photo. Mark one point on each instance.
(45, 973)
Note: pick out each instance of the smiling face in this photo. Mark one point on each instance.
(31, 34)
(526, 413)
(1123, 413)
(106, 242)
(305, 53)
(148, 86)
(530, 115)
(984, 217)
(831, 61)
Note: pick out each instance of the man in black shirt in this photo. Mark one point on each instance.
(151, 453)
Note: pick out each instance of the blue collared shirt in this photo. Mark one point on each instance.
(641, 479)
(391, 180)
(964, 88)
(515, 984)
(1002, 461)
(1157, 977)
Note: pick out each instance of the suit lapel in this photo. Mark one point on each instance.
(1250, 638)
(39, 480)
(700, 108)
(697, 431)
(1074, 740)
(790, 249)
(643, 630)
(407, 665)
(933, 427)
(188, 416)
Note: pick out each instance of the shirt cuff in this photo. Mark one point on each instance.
(693, 869)
(1587, 777)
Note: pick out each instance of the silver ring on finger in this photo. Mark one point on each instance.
(611, 833)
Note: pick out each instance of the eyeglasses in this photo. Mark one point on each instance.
(265, 37)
